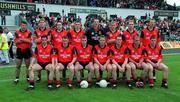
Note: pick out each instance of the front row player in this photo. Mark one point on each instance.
(136, 59)
(154, 58)
(120, 61)
(42, 54)
(65, 59)
(102, 58)
(84, 60)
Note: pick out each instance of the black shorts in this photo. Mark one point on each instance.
(23, 53)
(43, 65)
(65, 64)
(84, 64)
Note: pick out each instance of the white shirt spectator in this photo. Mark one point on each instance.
(10, 36)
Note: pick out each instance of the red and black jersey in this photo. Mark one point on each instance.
(112, 35)
(120, 54)
(84, 54)
(128, 37)
(136, 54)
(26, 35)
(38, 33)
(102, 54)
(42, 54)
(76, 37)
(65, 54)
(146, 34)
(154, 54)
(56, 37)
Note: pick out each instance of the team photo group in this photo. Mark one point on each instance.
(67, 53)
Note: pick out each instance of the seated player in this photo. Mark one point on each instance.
(42, 54)
(66, 56)
(154, 61)
(120, 61)
(136, 59)
(84, 60)
(101, 58)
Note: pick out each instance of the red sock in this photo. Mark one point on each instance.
(128, 81)
(135, 78)
(58, 82)
(31, 82)
(78, 82)
(69, 81)
(98, 79)
(50, 82)
(151, 81)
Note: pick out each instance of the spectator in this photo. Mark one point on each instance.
(10, 38)
(3, 47)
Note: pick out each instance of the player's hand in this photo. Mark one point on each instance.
(69, 65)
(121, 69)
(30, 67)
(138, 65)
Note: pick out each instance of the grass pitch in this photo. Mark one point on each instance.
(16, 93)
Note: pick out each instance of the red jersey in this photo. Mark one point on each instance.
(129, 37)
(102, 54)
(76, 37)
(43, 55)
(84, 54)
(120, 54)
(112, 36)
(38, 33)
(154, 54)
(57, 37)
(136, 54)
(26, 35)
(146, 34)
(65, 54)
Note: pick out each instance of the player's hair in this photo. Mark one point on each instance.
(83, 37)
(130, 21)
(65, 37)
(44, 36)
(135, 37)
(102, 36)
(23, 22)
(152, 37)
(120, 35)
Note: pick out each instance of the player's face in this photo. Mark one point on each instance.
(84, 41)
(118, 40)
(102, 41)
(153, 42)
(151, 23)
(65, 41)
(113, 26)
(59, 26)
(131, 25)
(77, 26)
(96, 23)
(137, 41)
(44, 40)
(42, 24)
(23, 27)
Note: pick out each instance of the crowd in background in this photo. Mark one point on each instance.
(133, 4)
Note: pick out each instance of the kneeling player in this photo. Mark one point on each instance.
(66, 58)
(42, 53)
(84, 60)
(101, 59)
(119, 61)
(154, 58)
(136, 59)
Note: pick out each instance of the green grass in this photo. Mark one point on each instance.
(16, 93)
